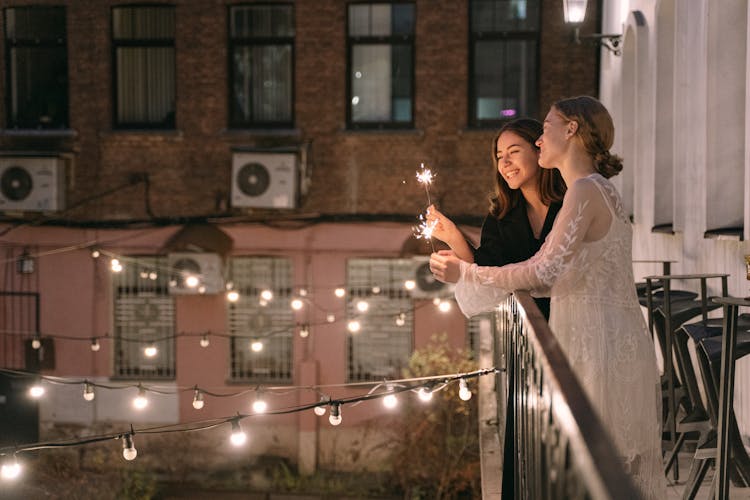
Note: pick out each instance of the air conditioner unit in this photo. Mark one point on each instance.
(32, 184)
(427, 286)
(195, 273)
(264, 179)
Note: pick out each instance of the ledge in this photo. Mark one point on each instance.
(667, 228)
(734, 233)
(261, 132)
(47, 133)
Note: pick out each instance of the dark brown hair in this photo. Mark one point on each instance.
(596, 130)
(550, 183)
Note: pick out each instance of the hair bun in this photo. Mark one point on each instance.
(608, 164)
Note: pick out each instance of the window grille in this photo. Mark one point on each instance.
(473, 329)
(384, 343)
(380, 47)
(504, 45)
(143, 315)
(251, 321)
(36, 61)
(261, 47)
(144, 65)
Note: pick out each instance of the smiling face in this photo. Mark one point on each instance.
(517, 160)
(554, 140)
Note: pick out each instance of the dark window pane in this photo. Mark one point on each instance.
(262, 84)
(35, 23)
(504, 15)
(262, 21)
(145, 85)
(402, 78)
(403, 19)
(505, 79)
(39, 87)
(143, 23)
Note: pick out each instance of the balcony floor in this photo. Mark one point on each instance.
(674, 490)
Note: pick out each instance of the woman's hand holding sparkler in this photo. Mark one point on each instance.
(442, 227)
(445, 266)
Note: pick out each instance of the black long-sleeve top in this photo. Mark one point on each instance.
(510, 240)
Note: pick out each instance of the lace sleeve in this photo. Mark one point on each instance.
(582, 206)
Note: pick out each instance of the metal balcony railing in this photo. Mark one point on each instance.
(561, 449)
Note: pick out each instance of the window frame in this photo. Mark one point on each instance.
(233, 43)
(502, 36)
(390, 40)
(32, 43)
(170, 124)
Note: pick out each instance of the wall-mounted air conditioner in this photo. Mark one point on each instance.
(265, 179)
(427, 287)
(32, 183)
(195, 273)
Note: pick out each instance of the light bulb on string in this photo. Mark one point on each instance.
(266, 295)
(37, 390)
(463, 390)
(95, 346)
(202, 289)
(362, 306)
(238, 437)
(401, 319)
(354, 326)
(410, 284)
(330, 318)
(436, 301)
(320, 410)
(376, 290)
(262, 303)
(88, 392)
(152, 276)
(444, 306)
(339, 292)
(11, 469)
(150, 350)
(256, 346)
(297, 304)
(425, 394)
(304, 331)
(191, 281)
(143, 275)
(204, 341)
(115, 266)
(390, 401)
(36, 343)
(335, 417)
(128, 448)
(233, 296)
(95, 253)
(259, 405)
(140, 401)
(198, 402)
(303, 292)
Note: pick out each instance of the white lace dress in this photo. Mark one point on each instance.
(596, 317)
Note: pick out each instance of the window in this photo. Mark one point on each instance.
(261, 48)
(503, 60)
(380, 65)
(36, 68)
(382, 346)
(144, 65)
(144, 317)
(261, 328)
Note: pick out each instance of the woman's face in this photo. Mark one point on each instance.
(553, 142)
(517, 160)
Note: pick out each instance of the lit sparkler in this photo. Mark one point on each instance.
(425, 177)
(424, 230)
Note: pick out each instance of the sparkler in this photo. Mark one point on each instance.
(425, 177)
(424, 229)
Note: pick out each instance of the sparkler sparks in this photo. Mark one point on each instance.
(425, 177)
(424, 230)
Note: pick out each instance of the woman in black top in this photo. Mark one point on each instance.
(522, 208)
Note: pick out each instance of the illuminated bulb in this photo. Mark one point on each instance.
(297, 304)
(376, 290)
(88, 392)
(362, 306)
(256, 345)
(409, 284)
(201, 289)
(198, 400)
(259, 405)
(463, 392)
(238, 437)
(36, 391)
(335, 416)
(191, 281)
(436, 301)
(401, 319)
(424, 394)
(140, 401)
(330, 318)
(263, 303)
(172, 283)
(128, 448)
(144, 275)
(339, 292)
(152, 276)
(150, 350)
(233, 296)
(390, 401)
(204, 341)
(115, 266)
(444, 306)
(95, 346)
(354, 326)
(319, 410)
(95, 253)
(303, 292)
(266, 295)
(36, 344)
(304, 332)
(10, 470)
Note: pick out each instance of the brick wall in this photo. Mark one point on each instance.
(353, 172)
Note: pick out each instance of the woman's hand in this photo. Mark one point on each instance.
(445, 230)
(445, 266)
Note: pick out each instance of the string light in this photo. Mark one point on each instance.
(425, 394)
(390, 401)
(463, 390)
(444, 306)
(375, 290)
(401, 319)
(256, 345)
(88, 392)
(150, 350)
(362, 306)
(259, 405)
(320, 410)
(304, 331)
(201, 289)
(297, 304)
(95, 253)
(115, 266)
(198, 400)
(410, 284)
(191, 281)
(266, 295)
(152, 276)
(436, 301)
(238, 437)
(204, 341)
(233, 296)
(303, 292)
(140, 401)
(263, 303)
(37, 390)
(11, 469)
(339, 292)
(331, 318)
(128, 448)
(354, 326)
(95, 346)
(335, 417)
(36, 344)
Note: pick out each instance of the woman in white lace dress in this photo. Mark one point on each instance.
(585, 267)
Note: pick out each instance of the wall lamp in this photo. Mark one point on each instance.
(575, 12)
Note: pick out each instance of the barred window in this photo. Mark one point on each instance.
(261, 329)
(474, 328)
(36, 59)
(382, 346)
(144, 63)
(261, 48)
(144, 317)
(504, 45)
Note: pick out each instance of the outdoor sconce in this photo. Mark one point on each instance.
(25, 263)
(575, 12)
